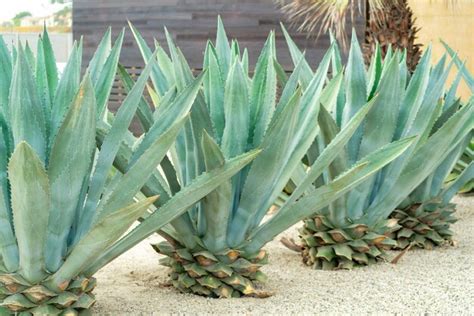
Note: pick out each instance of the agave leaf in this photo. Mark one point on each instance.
(66, 91)
(50, 64)
(5, 74)
(187, 197)
(245, 61)
(297, 56)
(450, 97)
(280, 72)
(321, 197)
(467, 76)
(144, 113)
(100, 56)
(8, 246)
(447, 113)
(131, 182)
(214, 86)
(263, 93)
(235, 51)
(179, 108)
(106, 77)
(188, 150)
(31, 204)
(223, 47)
(331, 92)
(236, 108)
(328, 131)
(336, 62)
(216, 205)
(165, 103)
(76, 141)
(443, 170)
(26, 112)
(200, 117)
(337, 67)
(421, 125)
(154, 186)
(170, 174)
(331, 152)
(466, 176)
(356, 94)
(101, 236)
(41, 76)
(375, 72)
(182, 73)
(157, 77)
(165, 64)
(289, 89)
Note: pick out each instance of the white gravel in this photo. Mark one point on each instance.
(440, 281)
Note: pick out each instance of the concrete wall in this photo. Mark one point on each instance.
(62, 42)
(452, 22)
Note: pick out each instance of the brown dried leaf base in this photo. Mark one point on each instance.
(424, 225)
(18, 297)
(328, 247)
(214, 275)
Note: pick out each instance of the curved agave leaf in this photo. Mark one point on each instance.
(101, 236)
(31, 208)
(105, 79)
(216, 204)
(25, 111)
(263, 93)
(66, 91)
(76, 141)
(468, 77)
(50, 65)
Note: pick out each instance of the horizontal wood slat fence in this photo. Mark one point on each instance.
(191, 22)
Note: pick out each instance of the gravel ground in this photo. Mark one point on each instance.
(440, 281)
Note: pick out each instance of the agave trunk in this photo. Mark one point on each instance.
(393, 26)
(326, 246)
(424, 225)
(228, 274)
(22, 297)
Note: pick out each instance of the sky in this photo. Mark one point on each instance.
(38, 8)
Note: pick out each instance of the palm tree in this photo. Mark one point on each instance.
(389, 22)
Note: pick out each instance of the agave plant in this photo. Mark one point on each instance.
(355, 229)
(59, 211)
(48, 145)
(468, 155)
(215, 248)
(425, 216)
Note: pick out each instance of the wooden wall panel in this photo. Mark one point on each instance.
(191, 22)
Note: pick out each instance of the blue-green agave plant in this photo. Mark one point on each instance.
(468, 155)
(355, 229)
(425, 216)
(60, 213)
(215, 248)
